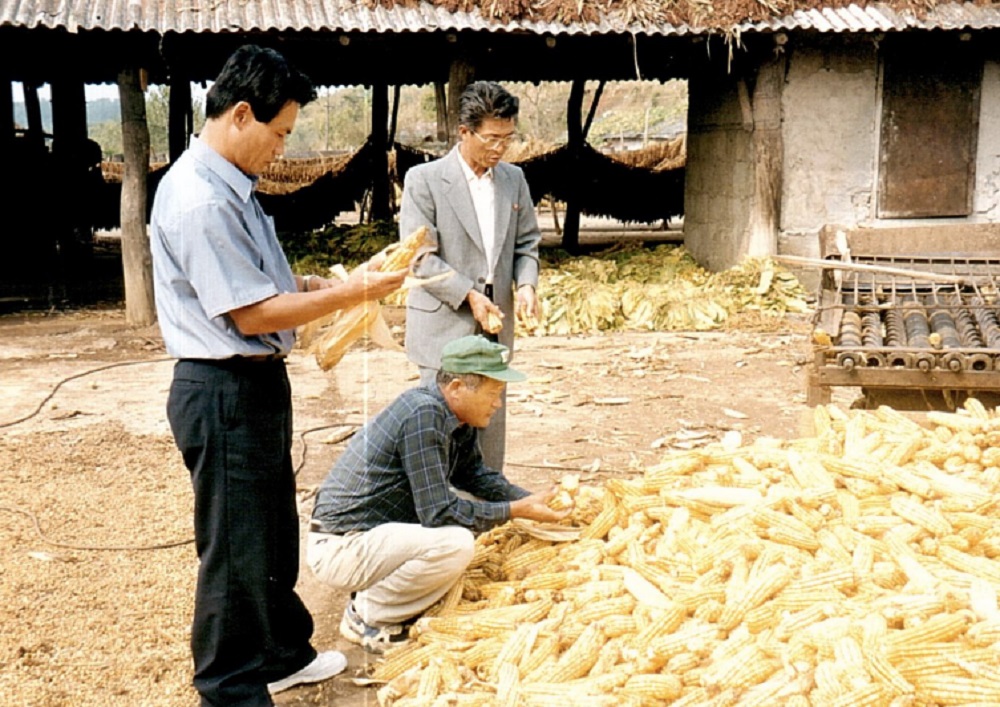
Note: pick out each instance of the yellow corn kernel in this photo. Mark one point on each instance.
(871, 695)
(580, 657)
(943, 627)
(882, 671)
(405, 657)
(515, 648)
(430, 682)
(615, 606)
(956, 422)
(654, 687)
(761, 588)
(957, 690)
(920, 515)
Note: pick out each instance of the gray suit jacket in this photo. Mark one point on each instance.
(437, 195)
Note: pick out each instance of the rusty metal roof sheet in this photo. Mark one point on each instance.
(162, 16)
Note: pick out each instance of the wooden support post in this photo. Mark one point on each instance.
(33, 109)
(69, 111)
(137, 261)
(441, 112)
(180, 122)
(768, 154)
(6, 113)
(575, 136)
(461, 74)
(380, 155)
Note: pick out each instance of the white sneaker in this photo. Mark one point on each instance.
(323, 667)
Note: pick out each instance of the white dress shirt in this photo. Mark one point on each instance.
(482, 190)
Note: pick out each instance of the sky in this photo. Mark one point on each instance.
(94, 92)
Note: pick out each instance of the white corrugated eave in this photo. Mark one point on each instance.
(162, 16)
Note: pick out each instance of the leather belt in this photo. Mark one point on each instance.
(261, 358)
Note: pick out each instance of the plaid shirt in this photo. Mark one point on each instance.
(400, 467)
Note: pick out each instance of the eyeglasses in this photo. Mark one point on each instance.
(494, 143)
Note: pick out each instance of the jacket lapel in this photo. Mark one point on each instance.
(457, 193)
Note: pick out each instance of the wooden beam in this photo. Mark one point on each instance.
(180, 122)
(137, 261)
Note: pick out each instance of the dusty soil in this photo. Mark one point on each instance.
(96, 567)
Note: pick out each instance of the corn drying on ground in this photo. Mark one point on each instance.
(855, 567)
(658, 289)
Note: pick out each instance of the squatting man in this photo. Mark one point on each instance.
(388, 525)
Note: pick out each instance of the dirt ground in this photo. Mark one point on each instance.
(97, 570)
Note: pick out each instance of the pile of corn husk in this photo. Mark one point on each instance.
(662, 289)
(859, 566)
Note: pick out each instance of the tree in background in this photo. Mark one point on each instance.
(108, 132)
(339, 120)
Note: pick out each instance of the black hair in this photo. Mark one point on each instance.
(262, 77)
(485, 99)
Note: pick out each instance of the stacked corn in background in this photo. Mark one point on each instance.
(855, 567)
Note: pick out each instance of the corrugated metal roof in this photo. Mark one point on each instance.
(162, 16)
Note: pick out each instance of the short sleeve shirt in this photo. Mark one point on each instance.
(214, 250)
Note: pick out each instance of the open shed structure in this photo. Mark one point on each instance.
(800, 115)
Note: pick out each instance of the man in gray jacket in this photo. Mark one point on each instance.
(482, 220)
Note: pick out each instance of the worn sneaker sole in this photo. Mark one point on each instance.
(368, 643)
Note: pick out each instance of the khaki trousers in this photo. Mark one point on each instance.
(396, 570)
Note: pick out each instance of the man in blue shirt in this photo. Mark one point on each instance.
(388, 525)
(228, 305)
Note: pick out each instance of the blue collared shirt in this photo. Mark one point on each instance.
(214, 250)
(399, 468)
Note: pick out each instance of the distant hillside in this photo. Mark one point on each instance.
(99, 111)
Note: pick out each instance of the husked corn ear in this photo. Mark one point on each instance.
(493, 323)
(763, 587)
(580, 657)
(508, 685)
(920, 515)
(430, 682)
(956, 422)
(654, 687)
(956, 690)
(406, 657)
(871, 695)
(400, 256)
(517, 646)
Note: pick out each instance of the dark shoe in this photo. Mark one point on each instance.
(323, 667)
(372, 639)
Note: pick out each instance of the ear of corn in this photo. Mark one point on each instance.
(400, 256)
(838, 581)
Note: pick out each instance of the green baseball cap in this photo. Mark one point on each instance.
(477, 354)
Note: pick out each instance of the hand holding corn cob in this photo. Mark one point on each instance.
(536, 507)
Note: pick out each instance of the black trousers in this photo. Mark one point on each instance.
(232, 422)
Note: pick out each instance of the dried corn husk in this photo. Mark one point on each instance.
(661, 289)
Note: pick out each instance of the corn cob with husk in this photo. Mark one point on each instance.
(331, 336)
(401, 255)
(833, 583)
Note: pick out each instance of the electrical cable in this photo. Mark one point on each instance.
(71, 546)
(158, 546)
(74, 377)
